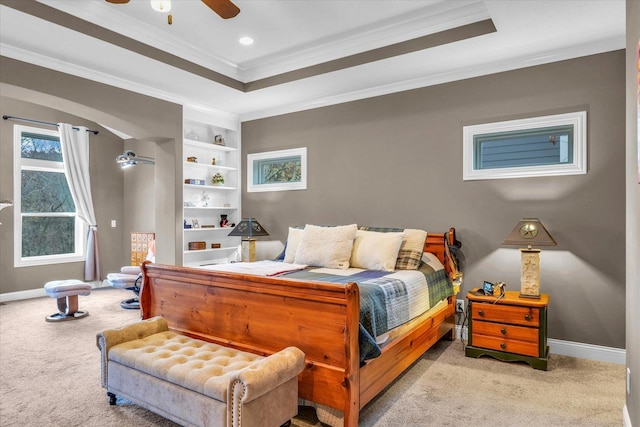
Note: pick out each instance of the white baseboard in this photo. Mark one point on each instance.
(37, 293)
(626, 420)
(575, 349)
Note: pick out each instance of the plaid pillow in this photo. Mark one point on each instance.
(411, 250)
(412, 247)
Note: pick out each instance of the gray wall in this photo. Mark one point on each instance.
(106, 187)
(155, 125)
(396, 160)
(633, 211)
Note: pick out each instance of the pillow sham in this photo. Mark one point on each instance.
(375, 251)
(293, 239)
(328, 247)
(411, 250)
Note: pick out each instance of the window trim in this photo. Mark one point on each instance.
(578, 120)
(274, 155)
(18, 164)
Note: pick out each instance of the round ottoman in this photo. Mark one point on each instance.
(66, 293)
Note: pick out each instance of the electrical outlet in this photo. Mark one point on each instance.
(459, 306)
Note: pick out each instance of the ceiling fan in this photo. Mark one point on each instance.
(224, 8)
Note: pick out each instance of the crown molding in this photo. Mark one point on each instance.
(508, 64)
(435, 18)
(122, 23)
(56, 64)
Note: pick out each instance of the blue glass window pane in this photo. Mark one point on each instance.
(530, 147)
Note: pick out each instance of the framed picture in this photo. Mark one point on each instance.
(277, 170)
(195, 223)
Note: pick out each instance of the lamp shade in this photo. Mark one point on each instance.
(530, 232)
(248, 227)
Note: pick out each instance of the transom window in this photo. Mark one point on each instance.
(550, 145)
(47, 228)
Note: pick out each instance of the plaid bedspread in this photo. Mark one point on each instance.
(387, 299)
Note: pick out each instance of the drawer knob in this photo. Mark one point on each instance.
(503, 345)
(503, 331)
(527, 317)
(481, 313)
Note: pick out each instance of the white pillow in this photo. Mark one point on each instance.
(292, 244)
(373, 250)
(328, 247)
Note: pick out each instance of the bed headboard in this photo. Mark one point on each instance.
(438, 244)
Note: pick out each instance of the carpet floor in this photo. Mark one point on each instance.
(50, 375)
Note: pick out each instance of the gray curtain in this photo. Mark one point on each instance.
(75, 154)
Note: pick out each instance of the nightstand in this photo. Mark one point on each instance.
(510, 328)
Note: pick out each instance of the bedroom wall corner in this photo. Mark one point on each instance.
(631, 411)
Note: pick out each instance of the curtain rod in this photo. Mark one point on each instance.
(95, 132)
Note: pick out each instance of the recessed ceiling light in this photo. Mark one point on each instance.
(246, 41)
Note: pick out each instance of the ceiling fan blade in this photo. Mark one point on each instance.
(118, 1)
(224, 8)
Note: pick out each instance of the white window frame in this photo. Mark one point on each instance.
(41, 165)
(283, 186)
(578, 120)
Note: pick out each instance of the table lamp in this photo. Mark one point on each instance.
(529, 231)
(247, 229)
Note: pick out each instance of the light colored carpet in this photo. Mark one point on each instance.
(50, 375)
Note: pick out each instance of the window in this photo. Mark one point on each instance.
(540, 146)
(47, 229)
(277, 170)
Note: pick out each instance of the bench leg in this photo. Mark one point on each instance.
(112, 398)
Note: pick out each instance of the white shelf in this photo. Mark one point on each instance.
(208, 145)
(227, 159)
(200, 251)
(213, 208)
(211, 167)
(211, 187)
(200, 230)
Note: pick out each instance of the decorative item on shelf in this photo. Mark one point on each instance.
(216, 246)
(217, 179)
(186, 226)
(529, 231)
(247, 229)
(218, 140)
(213, 161)
(195, 223)
(227, 205)
(223, 220)
(208, 226)
(192, 135)
(204, 199)
(189, 204)
(192, 159)
(197, 246)
(194, 181)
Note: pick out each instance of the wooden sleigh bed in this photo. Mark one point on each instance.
(265, 314)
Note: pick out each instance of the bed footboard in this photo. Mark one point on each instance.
(263, 315)
(266, 314)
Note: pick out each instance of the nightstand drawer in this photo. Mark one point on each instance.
(502, 331)
(517, 315)
(506, 345)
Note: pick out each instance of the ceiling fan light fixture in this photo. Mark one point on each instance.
(161, 5)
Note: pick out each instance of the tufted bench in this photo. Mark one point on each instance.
(196, 383)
